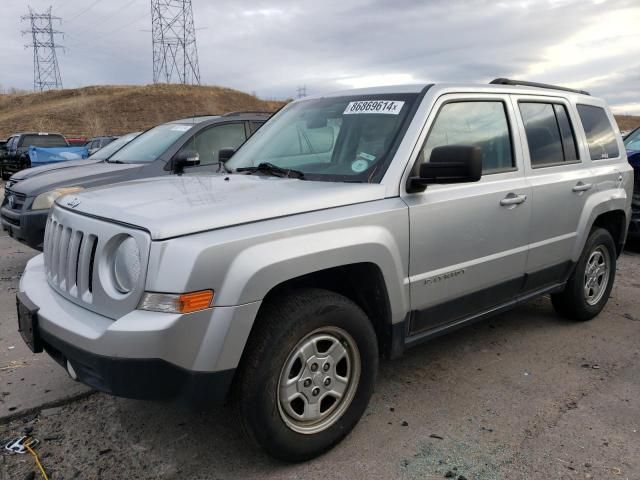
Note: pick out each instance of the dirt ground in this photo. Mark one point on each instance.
(525, 395)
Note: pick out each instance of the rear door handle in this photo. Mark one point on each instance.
(582, 187)
(513, 199)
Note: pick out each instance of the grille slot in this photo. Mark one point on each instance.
(68, 256)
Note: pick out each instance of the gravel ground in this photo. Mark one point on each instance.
(525, 395)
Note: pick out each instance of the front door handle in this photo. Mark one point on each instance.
(513, 199)
(582, 187)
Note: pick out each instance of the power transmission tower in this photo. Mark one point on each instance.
(46, 73)
(175, 56)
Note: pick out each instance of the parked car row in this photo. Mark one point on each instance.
(17, 152)
(191, 144)
(350, 226)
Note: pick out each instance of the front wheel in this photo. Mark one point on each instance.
(588, 288)
(308, 375)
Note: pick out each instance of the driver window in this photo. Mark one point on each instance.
(473, 123)
(208, 142)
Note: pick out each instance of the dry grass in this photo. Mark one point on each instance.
(117, 109)
(628, 122)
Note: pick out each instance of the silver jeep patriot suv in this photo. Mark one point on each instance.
(350, 227)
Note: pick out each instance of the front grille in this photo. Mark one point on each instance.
(69, 256)
(13, 200)
(78, 252)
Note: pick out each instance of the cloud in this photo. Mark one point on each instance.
(273, 46)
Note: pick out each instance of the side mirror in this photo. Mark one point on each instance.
(185, 158)
(449, 164)
(224, 154)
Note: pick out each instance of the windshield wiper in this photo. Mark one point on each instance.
(272, 169)
(115, 161)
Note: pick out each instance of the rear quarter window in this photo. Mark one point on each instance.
(601, 138)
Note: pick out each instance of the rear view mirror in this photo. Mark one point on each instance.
(449, 164)
(224, 154)
(185, 158)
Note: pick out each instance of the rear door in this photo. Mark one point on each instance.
(561, 183)
(468, 241)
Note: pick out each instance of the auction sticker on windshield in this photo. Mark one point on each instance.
(181, 128)
(390, 107)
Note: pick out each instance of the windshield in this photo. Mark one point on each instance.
(331, 139)
(112, 147)
(632, 142)
(151, 144)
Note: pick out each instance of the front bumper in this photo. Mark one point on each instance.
(143, 354)
(25, 226)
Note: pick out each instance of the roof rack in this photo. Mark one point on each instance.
(508, 81)
(229, 114)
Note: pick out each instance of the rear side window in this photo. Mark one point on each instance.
(600, 136)
(549, 134)
(474, 123)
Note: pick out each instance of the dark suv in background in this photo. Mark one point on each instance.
(632, 144)
(96, 143)
(190, 145)
(16, 156)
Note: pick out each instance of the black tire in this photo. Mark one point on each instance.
(282, 325)
(572, 302)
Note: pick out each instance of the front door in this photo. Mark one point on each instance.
(468, 242)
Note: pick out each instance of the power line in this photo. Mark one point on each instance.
(175, 56)
(101, 20)
(46, 73)
(111, 32)
(84, 11)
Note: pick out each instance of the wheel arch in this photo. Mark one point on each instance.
(607, 210)
(615, 222)
(371, 295)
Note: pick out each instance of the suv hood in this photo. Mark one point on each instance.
(33, 171)
(174, 206)
(85, 176)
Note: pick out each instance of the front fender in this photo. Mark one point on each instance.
(243, 263)
(261, 267)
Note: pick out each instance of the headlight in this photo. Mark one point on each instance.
(45, 200)
(126, 265)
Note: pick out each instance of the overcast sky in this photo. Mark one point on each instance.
(272, 47)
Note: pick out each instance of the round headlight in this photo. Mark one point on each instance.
(126, 265)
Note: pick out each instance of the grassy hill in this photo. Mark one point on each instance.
(628, 122)
(117, 109)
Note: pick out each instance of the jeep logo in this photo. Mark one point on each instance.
(73, 202)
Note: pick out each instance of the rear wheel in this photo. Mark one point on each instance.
(589, 287)
(308, 374)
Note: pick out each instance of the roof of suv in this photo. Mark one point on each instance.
(239, 115)
(499, 85)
